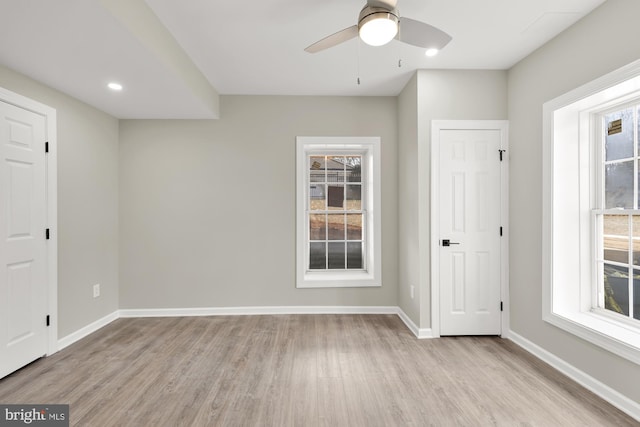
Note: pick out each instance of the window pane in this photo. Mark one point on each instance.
(317, 196)
(354, 168)
(336, 255)
(336, 197)
(354, 197)
(335, 169)
(317, 227)
(619, 135)
(317, 256)
(354, 226)
(636, 294)
(316, 168)
(636, 240)
(615, 241)
(638, 178)
(354, 255)
(619, 185)
(617, 225)
(336, 227)
(638, 116)
(616, 289)
(616, 249)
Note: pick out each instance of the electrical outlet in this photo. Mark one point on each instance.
(96, 290)
(411, 290)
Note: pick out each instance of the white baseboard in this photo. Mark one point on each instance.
(87, 330)
(615, 398)
(421, 333)
(252, 311)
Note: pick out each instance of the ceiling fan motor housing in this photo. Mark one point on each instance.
(369, 13)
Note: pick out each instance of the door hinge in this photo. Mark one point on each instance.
(48, 320)
(501, 306)
(500, 231)
(46, 233)
(501, 151)
(46, 147)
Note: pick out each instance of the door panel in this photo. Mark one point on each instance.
(458, 283)
(469, 212)
(23, 288)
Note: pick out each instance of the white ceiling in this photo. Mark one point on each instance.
(252, 47)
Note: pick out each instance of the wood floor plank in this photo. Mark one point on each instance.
(332, 403)
(301, 370)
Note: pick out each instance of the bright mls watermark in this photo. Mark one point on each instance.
(34, 415)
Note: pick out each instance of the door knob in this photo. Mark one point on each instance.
(447, 242)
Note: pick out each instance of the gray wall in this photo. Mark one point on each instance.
(439, 95)
(602, 42)
(87, 204)
(408, 226)
(207, 208)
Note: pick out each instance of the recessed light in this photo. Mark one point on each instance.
(115, 86)
(431, 52)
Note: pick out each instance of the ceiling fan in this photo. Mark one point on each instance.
(379, 23)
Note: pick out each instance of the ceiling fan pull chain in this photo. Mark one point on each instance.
(400, 63)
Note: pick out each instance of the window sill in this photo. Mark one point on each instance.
(601, 330)
(342, 279)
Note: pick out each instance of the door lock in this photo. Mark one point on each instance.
(447, 242)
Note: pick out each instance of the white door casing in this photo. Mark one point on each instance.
(469, 209)
(27, 209)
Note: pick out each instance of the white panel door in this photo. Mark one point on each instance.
(469, 213)
(23, 283)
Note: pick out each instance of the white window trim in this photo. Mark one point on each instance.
(567, 246)
(372, 274)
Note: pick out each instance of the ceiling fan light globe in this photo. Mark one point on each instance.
(378, 29)
(431, 52)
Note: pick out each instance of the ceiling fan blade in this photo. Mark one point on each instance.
(334, 39)
(422, 35)
(385, 4)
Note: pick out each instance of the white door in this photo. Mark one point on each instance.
(470, 232)
(23, 282)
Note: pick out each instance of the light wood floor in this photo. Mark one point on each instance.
(300, 370)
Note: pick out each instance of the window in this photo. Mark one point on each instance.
(338, 212)
(335, 214)
(617, 216)
(591, 212)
